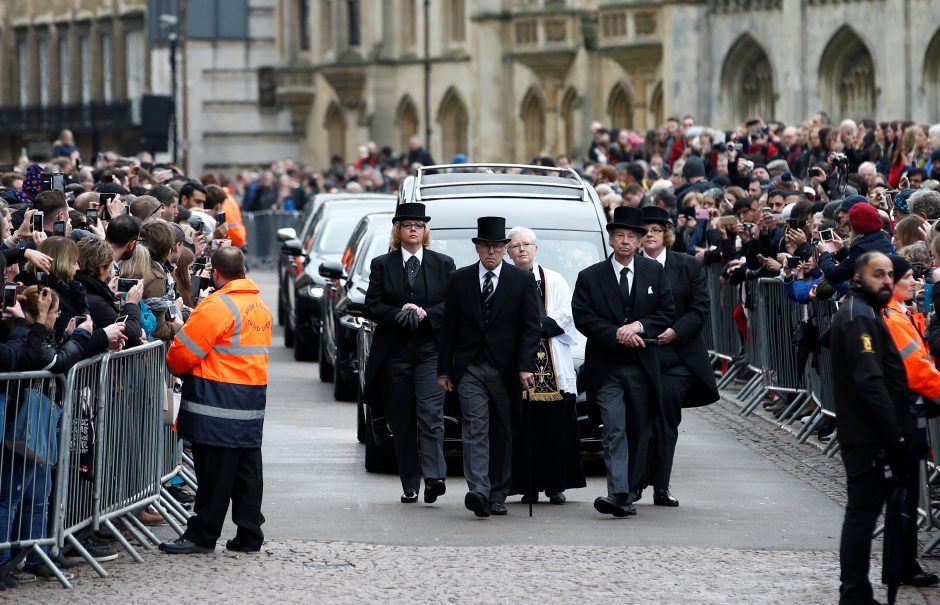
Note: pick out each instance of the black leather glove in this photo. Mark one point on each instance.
(407, 319)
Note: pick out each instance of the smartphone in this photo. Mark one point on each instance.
(92, 215)
(760, 258)
(42, 278)
(793, 262)
(79, 320)
(727, 221)
(220, 218)
(127, 210)
(826, 235)
(125, 283)
(58, 228)
(197, 286)
(120, 319)
(702, 214)
(689, 212)
(793, 223)
(171, 312)
(198, 267)
(58, 182)
(38, 219)
(9, 298)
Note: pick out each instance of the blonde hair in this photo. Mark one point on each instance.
(64, 253)
(394, 241)
(138, 265)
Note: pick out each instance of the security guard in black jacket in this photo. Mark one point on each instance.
(874, 415)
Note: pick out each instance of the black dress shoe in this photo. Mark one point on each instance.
(236, 546)
(636, 495)
(477, 503)
(183, 546)
(924, 578)
(432, 489)
(558, 498)
(617, 505)
(530, 498)
(498, 508)
(662, 497)
(409, 497)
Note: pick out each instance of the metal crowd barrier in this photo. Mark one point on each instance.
(82, 453)
(261, 229)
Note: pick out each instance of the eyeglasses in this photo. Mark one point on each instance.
(655, 230)
(492, 247)
(521, 245)
(410, 226)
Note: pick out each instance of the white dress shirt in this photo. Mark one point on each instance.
(661, 259)
(630, 273)
(405, 255)
(495, 278)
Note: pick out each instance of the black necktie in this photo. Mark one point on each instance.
(411, 270)
(624, 284)
(487, 292)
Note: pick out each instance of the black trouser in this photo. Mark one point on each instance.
(675, 383)
(224, 474)
(868, 491)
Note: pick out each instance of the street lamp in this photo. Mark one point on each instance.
(171, 23)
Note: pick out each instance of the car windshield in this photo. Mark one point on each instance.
(567, 252)
(334, 233)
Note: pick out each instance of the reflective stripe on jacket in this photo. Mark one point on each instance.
(233, 218)
(922, 377)
(222, 354)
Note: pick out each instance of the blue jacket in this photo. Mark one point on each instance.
(798, 290)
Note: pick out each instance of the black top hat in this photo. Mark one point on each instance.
(657, 215)
(410, 211)
(627, 217)
(491, 229)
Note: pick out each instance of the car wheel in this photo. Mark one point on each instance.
(344, 388)
(376, 462)
(288, 330)
(302, 349)
(360, 417)
(326, 368)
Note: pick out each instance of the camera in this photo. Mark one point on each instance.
(839, 160)
(749, 166)
(748, 226)
(919, 269)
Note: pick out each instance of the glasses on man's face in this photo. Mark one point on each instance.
(410, 226)
(521, 245)
(493, 247)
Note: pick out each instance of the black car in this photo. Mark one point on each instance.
(569, 221)
(347, 282)
(303, 232)
(332, 224)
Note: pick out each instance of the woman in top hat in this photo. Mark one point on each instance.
(405, 300)
(620, 304)
(687, 376)
(547, 449)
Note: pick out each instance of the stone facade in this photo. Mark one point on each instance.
(512, 78)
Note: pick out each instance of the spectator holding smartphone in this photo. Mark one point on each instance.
(837, 262)
(95, 274)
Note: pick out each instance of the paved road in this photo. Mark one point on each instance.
(747, 531)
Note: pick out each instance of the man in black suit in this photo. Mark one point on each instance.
(488, 346)
(687, 376)
(405, 299)
(622, 304)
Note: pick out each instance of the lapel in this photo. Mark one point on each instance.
(641, 286)
(611, 288)
(474, 294)
(502, 287)
(428, 273)
(396, 272)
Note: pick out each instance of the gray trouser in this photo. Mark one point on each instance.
(487, 431)
(416, 413)
(625, 399)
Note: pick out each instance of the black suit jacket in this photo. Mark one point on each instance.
(598, 313)
(511, 336)
(690, 295)
(387, 294)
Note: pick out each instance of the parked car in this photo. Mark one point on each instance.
(347, 282)
(332, 224)
(303, 232)
(566, 215)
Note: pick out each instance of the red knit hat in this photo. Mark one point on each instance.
(864, 218)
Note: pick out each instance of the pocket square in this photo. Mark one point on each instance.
(650, 291)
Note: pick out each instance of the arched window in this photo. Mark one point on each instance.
(658, 105)
(620, 106)
(335, 125)
(453, 118)
(747, 81)
(568, 104)
(847, 77)
(406, 118)
(533, 125)
(932, 78)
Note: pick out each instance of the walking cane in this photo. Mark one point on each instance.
(528, 442)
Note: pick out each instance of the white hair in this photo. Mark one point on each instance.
(934, 131)
(660, 185)
(520, 229)
(867, 165)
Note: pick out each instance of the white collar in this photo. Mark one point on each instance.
(618, 267)
(661, 259)
(405, 255)
(496, 271)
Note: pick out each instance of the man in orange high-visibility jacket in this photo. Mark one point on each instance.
(233, 218)
(222, 355)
